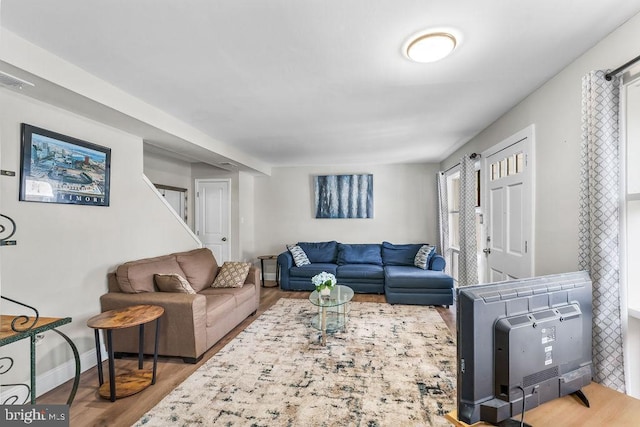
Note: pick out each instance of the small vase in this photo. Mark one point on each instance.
(325, 292)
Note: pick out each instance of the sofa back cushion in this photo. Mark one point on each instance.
(320, 251)
(399, 254)
(199, 266)
(137, 276)
(359, 254)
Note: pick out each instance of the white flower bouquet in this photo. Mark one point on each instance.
(324, 282)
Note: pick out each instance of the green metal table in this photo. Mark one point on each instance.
(16, 328)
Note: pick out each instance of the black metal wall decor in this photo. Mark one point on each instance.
(7, 229)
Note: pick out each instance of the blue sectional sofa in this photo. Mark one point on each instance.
(371, 268)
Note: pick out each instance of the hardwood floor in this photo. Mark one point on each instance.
(89, 409)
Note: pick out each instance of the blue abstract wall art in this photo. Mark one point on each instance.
(344, 196)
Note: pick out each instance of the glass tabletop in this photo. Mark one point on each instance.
(339, 295)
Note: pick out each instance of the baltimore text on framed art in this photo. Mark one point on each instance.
(56, 168)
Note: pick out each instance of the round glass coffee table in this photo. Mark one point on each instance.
(332, 310)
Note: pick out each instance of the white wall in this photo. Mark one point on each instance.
(405, 208)
(246, 220)
(64, 252)
(633, 355)
(555, 109)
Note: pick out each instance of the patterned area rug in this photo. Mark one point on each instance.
(393, 366)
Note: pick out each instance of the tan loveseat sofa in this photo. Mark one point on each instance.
(191, 323)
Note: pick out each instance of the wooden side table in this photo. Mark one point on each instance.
(130, 383)
(262, 258)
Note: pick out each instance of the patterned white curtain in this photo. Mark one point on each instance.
(599, 222)
(443, 216)
(468, 261)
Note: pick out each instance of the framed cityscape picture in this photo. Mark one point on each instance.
(56, 168)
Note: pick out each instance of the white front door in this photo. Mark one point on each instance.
(213, 205)
(508, 208)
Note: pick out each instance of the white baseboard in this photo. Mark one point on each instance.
(53, 378)
(269, 276)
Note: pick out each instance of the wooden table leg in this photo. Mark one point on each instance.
(262, 271)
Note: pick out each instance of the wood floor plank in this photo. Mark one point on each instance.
(89, 409)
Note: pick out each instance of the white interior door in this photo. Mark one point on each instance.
(508, 208)
(213, 205)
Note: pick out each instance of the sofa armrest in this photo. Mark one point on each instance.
(437, 263)
(253, 277)
(285, 262)
(183, 324)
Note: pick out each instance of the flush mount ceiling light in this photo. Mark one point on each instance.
(430, 47)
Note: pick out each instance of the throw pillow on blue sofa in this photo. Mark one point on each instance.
(359, 254)
(423, 257)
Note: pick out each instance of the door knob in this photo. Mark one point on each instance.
(224, 239)
(487, 251)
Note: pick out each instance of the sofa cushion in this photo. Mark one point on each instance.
(219, 306)
(299, 257)
(399, 254)
(310, 270)
(359, 254)
(232, 275)
(241, 295)
(360, 271)
(173, 283)
(137, 276)
(412, 277)
(320, 251)
(424, 256)
(200, 267)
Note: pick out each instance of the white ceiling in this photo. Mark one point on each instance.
(321, 81)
